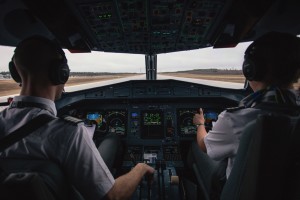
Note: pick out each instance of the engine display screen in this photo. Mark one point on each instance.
(152, 118)
(152, 124)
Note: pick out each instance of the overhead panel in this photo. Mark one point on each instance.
(166, 18)
(103, 21)
(150, 26)
(198, 18)
(134, 22)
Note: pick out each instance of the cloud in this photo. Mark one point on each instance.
(6, 54)
(203, 58)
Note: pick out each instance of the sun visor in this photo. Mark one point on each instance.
(21, 24)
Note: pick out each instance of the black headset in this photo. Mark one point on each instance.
(13, 71)
(59, 71)
(254, 66)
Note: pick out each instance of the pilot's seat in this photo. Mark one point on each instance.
(267, 165)
(32, 179)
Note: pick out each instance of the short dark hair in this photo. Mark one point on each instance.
(279, 54)
(35, 53)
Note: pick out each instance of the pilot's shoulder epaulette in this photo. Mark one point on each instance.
(232, 109)
(71, 119)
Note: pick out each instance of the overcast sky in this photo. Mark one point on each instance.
(230, 58)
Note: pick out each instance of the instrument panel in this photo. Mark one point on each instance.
(149, 110)
(154, 119)
(146, 121)
(151, 131)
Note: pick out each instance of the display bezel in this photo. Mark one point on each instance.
(152, 130)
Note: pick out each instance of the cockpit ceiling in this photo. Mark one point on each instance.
(143, 26)
(137, 26)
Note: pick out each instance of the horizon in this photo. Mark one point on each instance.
(223, 58)
(204, 69)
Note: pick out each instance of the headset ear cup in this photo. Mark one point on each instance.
(254, 70)
(63, 74)
(59, 74)
(249, 69)
(13, 72)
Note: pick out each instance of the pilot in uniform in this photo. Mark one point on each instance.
(223, 140)
(41, 67)
(271, 65)
(67, 141)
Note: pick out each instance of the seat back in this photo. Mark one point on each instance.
(25, 185)
(267, 165)
(32, 179)
(207, 173)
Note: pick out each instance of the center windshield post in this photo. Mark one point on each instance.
(151, 66)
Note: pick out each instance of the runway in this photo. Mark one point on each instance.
(143, 77)
(159, 77)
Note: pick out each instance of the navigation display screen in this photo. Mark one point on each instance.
(152, 124)
(117, 121)
(185, 120)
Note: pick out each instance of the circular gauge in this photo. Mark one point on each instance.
(116, 121)
(186, 126)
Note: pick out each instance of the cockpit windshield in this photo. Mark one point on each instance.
(208, 66)
(214, 67)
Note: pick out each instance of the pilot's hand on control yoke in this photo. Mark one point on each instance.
(199, 118)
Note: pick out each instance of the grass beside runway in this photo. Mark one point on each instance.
(9, 87)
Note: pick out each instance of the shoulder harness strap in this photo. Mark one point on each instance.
(24, 130)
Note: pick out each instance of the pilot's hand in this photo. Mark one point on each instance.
(149, 170)
(149, 176)
(199, 118)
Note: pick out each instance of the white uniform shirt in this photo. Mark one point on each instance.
(65, 143)
(224, 138)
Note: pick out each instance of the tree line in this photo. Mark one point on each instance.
(211, 71)
(6, 74)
